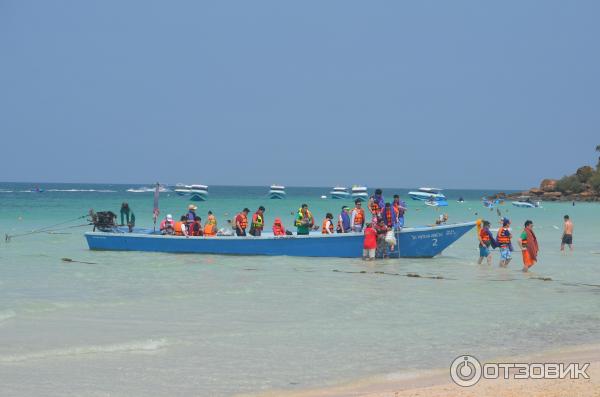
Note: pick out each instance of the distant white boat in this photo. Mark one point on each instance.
(427, 193)
(339, 192)
(525, 202)
(145, 189)
(196, 192)
(277, 192)
(360, 193)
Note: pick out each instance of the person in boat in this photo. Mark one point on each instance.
(167, 226)
(504, 240)
(370, 243)
(131, 222)
(210, 228)
(357, 218)
(191, 215)
(195, 227)
(529, 246)
(241, 222)
(400, 207)
(125, 214)
(378, 197)
(258, 222)
(327, 226)
(486, 240)
(389, 216)
(374, 209)
(304, 220)
(343, 224)
(381, 229)
(278, 229)
(181, 227)
(567, 236)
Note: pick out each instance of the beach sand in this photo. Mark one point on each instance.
(437, 382)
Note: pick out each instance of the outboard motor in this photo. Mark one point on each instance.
(104, 221)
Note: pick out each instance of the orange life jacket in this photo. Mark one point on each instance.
(485, 236)
(244, 221)
(359, 218)
(179, 228)
(209, 230)
(503, 236)
(278, 229)
(375, 208)
(324, 227)
(388, 217)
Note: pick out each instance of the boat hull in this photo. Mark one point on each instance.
(423, 242)
(421, 196)
(276, 195)
(339, 196)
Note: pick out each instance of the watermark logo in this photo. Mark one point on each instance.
(467, 370)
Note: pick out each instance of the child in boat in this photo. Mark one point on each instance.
(327, 227)
(210, 228)
(278, 229)
(370, 243)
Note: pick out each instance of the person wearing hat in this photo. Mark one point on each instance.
(503, 239)
(167, 225)
(343, 224)
(258, 222)
(241, 222)
(191, 215)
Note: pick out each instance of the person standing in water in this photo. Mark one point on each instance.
(567, 237)
(504, 241)
(485, 242)
(529, 246)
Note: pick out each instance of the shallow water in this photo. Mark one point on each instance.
(157, 324)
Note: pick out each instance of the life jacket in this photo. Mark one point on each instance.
(243, 221)
(257, 221)
(210, 229)
(399, 211)
(359, 218)
(179, 227)
(165, 224)
(278, 229)
(485, 236)
(388, 217)
(300, 217)
(374, 208)
(195, 229)
(324, 226)
(343, 225)
(503, 236)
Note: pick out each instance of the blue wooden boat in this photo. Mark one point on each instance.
(414, 242)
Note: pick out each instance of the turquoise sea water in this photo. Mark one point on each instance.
(160, 324)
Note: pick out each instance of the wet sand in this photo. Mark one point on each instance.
(438, 383)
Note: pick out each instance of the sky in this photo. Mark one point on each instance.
(455, 94)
